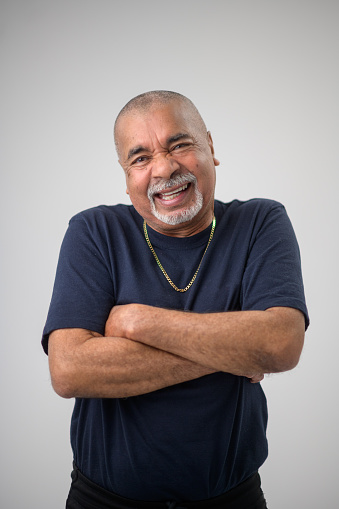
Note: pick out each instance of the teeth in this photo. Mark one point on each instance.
(173, 194)
(170, 197)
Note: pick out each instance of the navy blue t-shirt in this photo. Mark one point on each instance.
(197, 439)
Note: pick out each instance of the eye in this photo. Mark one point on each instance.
(180, 146)
(140, 160)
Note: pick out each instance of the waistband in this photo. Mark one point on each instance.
(90, 495)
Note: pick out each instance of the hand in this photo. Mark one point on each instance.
(256, 378)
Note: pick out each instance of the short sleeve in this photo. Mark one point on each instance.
(273, 274)
(83, 292)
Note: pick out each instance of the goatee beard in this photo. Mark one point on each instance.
(181, 216)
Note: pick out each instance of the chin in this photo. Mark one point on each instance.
(182, 216)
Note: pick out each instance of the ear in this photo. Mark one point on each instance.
(210, 142)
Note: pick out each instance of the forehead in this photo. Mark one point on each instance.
(156, 124)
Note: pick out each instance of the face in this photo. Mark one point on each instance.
(169, 163)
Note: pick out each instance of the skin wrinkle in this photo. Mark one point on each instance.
(139, 149)
(154, 130)
(147, 348)
(187, 214)
(144, 102)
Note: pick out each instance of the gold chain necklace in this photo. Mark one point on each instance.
(162, 268)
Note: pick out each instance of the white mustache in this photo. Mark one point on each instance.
(164, 184)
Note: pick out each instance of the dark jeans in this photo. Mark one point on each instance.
(84, 494)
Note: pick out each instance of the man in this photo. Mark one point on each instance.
(164, 317)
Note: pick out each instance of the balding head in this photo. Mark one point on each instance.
(145, 102)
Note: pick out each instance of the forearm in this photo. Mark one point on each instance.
(242, 343)
(113, 367)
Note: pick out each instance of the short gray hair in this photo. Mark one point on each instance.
(143, 102)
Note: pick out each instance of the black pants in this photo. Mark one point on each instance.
(84, 494)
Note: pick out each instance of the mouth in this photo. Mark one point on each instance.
(175, 193)
(176, 200)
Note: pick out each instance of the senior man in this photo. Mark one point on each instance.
(165, 316)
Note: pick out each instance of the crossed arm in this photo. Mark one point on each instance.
(147, 348)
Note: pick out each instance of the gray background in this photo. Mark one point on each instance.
(264, 75)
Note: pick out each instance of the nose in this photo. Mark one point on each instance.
(164, 166)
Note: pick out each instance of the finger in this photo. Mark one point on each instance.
(257, 378)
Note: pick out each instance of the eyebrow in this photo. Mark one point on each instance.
(135, 150)
(172, 139)
(177, 137)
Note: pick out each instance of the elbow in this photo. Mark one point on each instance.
(286, 353)
(65, 372)
(285, 340)
(63, 390)
(62, 382)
